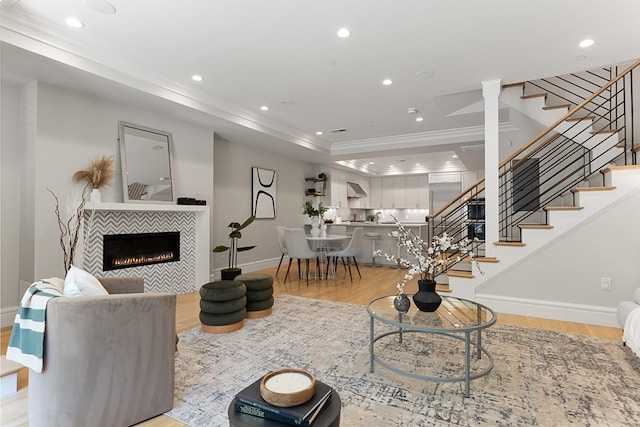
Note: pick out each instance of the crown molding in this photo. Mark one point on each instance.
(416, 140)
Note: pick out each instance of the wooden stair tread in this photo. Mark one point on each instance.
(460, 273)
(535, 226)
(535, 95)
(515, 244)
(578, 119)
(580, 189)
(442, 287)
(508, 85)
(8, 367)
(597, 132)
(487, 259)
(557, 107)
(563, 208)
(619, 168)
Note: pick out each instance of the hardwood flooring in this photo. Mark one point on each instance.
(374, 282)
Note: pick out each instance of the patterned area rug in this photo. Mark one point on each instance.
(540, 378)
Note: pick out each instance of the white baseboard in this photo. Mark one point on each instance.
(595, 315)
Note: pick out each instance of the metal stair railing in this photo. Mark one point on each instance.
(596, 132)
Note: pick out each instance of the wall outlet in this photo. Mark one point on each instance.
(605, 283)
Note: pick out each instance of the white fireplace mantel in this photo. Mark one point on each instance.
(142, 207)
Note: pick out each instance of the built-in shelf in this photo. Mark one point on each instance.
(314, 192)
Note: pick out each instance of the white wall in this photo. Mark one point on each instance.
(9, 194)
(568, 271)
(232, 201)
(57, 133)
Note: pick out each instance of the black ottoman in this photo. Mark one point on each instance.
(223, 306)
(259, 294)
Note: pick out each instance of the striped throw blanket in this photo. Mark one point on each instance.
(26, 345)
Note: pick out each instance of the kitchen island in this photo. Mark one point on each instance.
(385, 243)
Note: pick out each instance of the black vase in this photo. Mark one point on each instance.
(401, 303)
(426, 299)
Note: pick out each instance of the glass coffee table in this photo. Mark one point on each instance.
(456, 318)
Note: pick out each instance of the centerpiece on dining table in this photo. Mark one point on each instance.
(429, 260)
(315, 213)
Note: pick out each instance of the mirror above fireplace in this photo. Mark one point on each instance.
(146, 164)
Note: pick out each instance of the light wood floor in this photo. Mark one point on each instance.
(374, 282)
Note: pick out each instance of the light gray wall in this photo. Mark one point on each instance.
(9, 193)
(232, 201)
(570, 268)
(57, 132)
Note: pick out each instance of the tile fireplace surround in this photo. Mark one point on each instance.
(186, 275)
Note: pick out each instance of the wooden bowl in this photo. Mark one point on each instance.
(288, 387)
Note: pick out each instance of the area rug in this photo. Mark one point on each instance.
(540, 378)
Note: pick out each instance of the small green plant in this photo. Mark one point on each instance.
(233, 247)
(312, 211)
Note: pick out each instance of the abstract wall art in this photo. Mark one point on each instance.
(263, 198)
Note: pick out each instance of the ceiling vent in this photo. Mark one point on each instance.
(471, 148)
(338, 130)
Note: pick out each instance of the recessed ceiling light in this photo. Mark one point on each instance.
(417, 164)
(419, 119)
(455, 156)
(197, 78)
(264, 108)
(371, 163)
(74, 22)
(586, 43)
(448, 162)
(319, 132)
(387, 82)
(343, 33)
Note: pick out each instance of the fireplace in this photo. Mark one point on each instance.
(133, 250)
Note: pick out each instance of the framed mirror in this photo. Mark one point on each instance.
(146, 164)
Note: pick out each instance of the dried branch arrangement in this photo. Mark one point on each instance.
(70, 229)
(99, 174)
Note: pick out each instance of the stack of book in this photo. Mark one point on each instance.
(249, 401)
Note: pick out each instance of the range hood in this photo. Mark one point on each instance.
(354, 190)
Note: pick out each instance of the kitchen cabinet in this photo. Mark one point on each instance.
(417, 192)
(337, 196)
(375, 193)
(387, 192)
(399, 192)
(423, 192)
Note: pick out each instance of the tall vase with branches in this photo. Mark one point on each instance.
(99, 174)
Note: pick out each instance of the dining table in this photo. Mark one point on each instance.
(321, 246)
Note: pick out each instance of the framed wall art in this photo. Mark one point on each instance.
(263, 193)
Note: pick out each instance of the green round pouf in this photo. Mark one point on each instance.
(259, 295)
(255, 281)
(222, 307)
(223, 290)
(259, 305)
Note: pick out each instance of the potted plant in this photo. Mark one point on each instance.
(315, 213)
(232, 271)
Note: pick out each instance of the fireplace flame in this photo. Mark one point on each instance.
(167, 256)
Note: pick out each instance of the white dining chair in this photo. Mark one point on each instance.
(351, 251)
(281, 243)
(298, 248)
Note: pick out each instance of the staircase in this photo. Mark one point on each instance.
(583, 162)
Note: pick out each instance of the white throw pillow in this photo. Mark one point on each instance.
(79, 283)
